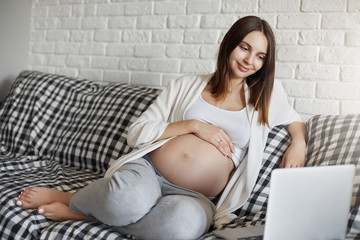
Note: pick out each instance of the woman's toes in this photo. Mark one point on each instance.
(41, 210)
(59, 212)
(24, 204)
(19, 203)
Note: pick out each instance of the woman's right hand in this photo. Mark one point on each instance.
(214, 135)
(207, 132)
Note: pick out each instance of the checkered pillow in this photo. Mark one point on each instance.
(78, 123)
(334, 140)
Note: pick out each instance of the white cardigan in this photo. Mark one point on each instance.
(171, 105)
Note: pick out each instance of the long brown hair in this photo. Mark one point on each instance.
(260, 83)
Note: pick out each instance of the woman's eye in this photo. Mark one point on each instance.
(242, 46)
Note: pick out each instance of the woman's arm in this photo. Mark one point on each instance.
(295, 154)
(205, 131)
(160, 121)
(154, 120)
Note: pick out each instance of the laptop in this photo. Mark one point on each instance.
(304, 203)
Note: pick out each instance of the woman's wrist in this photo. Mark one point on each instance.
(297, 131)
(299, 142)
(194, 126)
(300, 145)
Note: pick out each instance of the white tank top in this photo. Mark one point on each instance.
(234, 123)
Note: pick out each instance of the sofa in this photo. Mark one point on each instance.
(61, 132)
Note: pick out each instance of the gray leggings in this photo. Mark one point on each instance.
(138, 201)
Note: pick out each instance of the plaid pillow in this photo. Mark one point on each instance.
(78, 123)
(334, 140)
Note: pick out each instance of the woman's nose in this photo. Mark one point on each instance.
(249, 59)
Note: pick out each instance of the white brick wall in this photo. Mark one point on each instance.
(152, 42)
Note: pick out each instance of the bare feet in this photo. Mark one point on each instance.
(34, 197)
(59, 212)
(50, 203)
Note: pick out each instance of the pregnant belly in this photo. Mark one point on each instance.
(190, 162)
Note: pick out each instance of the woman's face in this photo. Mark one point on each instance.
(249, 56)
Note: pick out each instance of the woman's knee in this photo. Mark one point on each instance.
(127, 200)
(121, 199)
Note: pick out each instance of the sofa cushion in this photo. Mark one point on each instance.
(78, 123)
(334, 140)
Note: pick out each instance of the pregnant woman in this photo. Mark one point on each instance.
(198, 148)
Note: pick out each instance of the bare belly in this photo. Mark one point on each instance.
(190, 162)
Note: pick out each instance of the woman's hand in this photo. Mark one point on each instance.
(216, 136)
(207, 132)
(294, 156)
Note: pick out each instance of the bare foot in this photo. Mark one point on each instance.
(59, 212)
(34, 197)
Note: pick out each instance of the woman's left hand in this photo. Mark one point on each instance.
(294, 155)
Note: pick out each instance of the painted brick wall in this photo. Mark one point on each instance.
(152, 42)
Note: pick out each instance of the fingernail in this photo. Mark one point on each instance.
(41, 210)
(19, 203)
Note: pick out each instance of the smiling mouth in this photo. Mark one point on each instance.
(242, 68)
